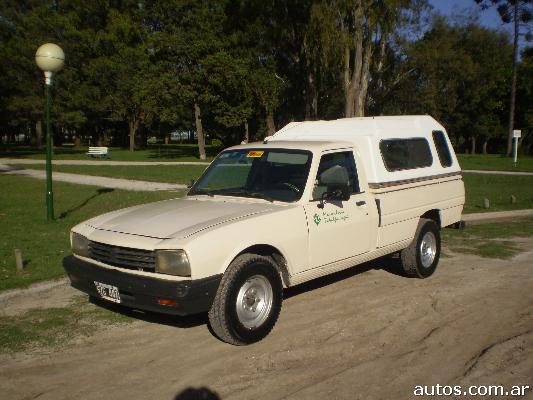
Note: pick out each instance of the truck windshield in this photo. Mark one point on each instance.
(273, 174)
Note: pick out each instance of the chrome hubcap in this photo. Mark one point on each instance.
(254, 301)
(428, 249)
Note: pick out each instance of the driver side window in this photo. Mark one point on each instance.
(342, 159)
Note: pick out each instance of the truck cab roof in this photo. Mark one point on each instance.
(315, 146)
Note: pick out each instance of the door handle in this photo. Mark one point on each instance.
(360, 203)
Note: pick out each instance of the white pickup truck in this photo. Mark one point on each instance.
(315, 198)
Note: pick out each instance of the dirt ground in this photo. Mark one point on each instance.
(366, 333)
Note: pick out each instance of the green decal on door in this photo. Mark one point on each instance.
(333, 216)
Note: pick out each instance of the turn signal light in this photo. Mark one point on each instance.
(167, 302)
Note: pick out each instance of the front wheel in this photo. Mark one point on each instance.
(421, 258)
(248, 301)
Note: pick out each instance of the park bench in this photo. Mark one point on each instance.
(98, 152)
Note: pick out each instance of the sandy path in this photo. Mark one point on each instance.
(496, 215)
(26, 161)
(478, 171)
(366, 333)
(114, 183)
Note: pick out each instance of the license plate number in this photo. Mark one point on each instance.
(107, 292)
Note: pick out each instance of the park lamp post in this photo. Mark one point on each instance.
(49, 58)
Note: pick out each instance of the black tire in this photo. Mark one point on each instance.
(232, 313)
(420, 260)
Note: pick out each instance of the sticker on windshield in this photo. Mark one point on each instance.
(255, 154)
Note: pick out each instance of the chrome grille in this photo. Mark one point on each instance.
(123, 257)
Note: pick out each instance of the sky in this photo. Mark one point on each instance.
(489, 17)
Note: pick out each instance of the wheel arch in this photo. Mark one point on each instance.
(434, 215)
(268, 250)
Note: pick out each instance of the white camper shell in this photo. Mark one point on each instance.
(366, 133)
(315, 198)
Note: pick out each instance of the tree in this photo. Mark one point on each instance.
(516, 12)
(524, 100)
(188, 32)
(127, 76)
(255, 43)
(23, 27)
(352, 37)
(323, 53)
(457, 74)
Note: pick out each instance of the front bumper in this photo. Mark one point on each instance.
(144, 292)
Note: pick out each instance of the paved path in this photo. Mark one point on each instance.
(494, 215)
(476, 171)
(114, 183)
(26, 161)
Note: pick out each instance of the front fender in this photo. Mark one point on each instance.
(212, 251)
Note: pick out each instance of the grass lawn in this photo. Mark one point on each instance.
(495, 162)
(156, 173)
(498, 189)
(490, 240)
(43, 244)
(23, 224)
(170, 152)
(53, 327)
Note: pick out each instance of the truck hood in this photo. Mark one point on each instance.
(177, 218)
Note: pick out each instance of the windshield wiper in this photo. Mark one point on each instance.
(259, 196)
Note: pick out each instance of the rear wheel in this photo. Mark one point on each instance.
(248, 301)
(421, 258)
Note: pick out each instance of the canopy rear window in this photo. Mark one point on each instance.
(402, 154)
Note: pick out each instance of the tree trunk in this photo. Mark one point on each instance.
(356, 87)
(513, 84)
(166, 139)
(38, 134)
(313, 94)
(199, 131)
(473, 144)
(485, 142)
(246, 132)
(133, 125)
(348, 94)
(271, 127)
(311, 97)
(527, 148)
(100, 137)
(363, 87)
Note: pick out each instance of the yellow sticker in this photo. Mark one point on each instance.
(255, 154)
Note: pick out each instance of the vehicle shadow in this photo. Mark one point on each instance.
(390, 264)
(188, 321)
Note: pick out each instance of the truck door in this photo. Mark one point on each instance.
(339, 229)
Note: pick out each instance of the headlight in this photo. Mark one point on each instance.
(79, 244)
(172, 262)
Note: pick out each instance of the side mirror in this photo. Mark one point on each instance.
(337, 182)
(341, 193)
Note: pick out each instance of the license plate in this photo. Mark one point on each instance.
(107, 292)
